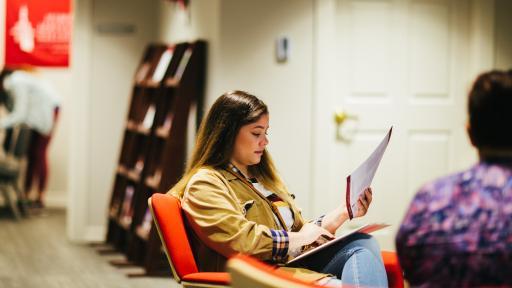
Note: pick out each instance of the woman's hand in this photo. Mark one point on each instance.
(334, 219)
(363, 203)
(308, 234)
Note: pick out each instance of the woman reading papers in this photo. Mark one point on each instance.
(235, 202)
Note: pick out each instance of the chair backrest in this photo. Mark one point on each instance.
(169, 221)
(393, 270)
(22, 142)
(17, 140)
(246, 271)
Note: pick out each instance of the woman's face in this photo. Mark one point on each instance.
(250, 143)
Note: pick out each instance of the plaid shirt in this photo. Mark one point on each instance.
(458, 230)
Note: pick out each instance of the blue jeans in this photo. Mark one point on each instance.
(356, 261)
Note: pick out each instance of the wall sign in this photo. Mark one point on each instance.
(38, 33)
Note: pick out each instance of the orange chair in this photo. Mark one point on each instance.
(168, 217)
(393, 269)
(246, 271)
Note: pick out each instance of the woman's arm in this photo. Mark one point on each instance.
(334, 219)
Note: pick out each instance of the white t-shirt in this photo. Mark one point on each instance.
(284, 209)
(34, 102)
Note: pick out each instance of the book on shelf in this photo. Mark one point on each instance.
(145, 226)
(154, 180)
(163, 63)
(131, 125)
(362, 177)
(183, 64)
(139, 165)
(163, 131)
(114, 208)
(126, 208)
(149, 117)
(142, 72)
(121, 169)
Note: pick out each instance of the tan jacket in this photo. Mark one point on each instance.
(228, 217)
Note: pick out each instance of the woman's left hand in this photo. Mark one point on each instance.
(363, 203)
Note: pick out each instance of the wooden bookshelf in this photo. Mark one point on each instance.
(168, 83)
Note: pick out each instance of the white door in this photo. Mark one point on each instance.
(392, 62)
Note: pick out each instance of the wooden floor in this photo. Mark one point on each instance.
(34, 252)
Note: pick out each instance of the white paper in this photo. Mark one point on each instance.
(362, 177)
(368, 228)
(149, 117)
(162, 65)
(183, 63)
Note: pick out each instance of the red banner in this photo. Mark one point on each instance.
(38, 33)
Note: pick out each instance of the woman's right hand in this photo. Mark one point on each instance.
(308, 234)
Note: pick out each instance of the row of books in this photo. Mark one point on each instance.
(122, 212)
(158, 74)
(147, 123)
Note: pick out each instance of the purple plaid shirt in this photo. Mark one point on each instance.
(458, 230)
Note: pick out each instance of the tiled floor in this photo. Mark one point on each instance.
(34, 252)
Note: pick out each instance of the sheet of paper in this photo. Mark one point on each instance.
(362, 177)
(368, 228)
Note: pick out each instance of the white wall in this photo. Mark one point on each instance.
(503, 34)
(241, 36)
(103, 75)
(115, 56)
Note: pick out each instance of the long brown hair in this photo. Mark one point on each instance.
(216, 139)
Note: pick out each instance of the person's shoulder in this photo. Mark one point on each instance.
(439, 191)
(21, 76)
(206, 173)
(205, 179)
(445, 182)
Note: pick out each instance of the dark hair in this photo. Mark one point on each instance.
(490, 110)
(3, 94)
(217, 134)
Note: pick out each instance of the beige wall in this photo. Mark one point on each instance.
(241, 36)
(503, 34)
(114, 60)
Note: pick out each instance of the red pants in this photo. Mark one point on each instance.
(38, 159)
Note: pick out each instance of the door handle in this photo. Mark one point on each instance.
(340, 117)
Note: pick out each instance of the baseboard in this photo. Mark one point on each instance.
(95, 233)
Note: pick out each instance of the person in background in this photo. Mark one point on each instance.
(31, 101)
(458, 229)
(235, 202)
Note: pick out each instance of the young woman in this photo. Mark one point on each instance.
(235, 202)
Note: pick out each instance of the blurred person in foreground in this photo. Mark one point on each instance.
(458, 229)
(31, 101)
